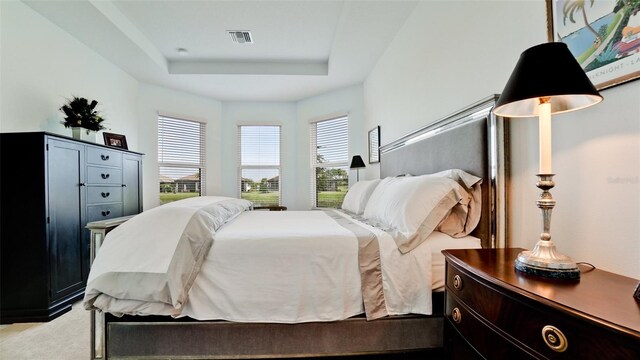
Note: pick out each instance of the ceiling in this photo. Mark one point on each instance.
(301, 48)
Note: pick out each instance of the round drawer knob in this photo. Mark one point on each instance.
(457, 282)
(457, 315)
(554, 338)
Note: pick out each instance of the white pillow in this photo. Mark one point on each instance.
(357, 197)
(462, 177)
(412, 207)
(464, 216)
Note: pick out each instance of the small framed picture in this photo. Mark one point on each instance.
(115, 140)
(636, 293)
(374, 145)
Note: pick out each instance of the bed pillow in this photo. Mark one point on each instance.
(412, 207)
(357, 197)
(464, 216)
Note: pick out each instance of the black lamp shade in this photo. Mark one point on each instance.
(356, 162)
(546, 70)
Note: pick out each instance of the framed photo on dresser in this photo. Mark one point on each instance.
(115, 140)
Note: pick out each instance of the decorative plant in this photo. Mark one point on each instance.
(80, 112)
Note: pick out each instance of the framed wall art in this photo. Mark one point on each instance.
(603, 35)
(115, 140)
(374, 145)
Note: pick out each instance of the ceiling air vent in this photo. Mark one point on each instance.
(241, 36)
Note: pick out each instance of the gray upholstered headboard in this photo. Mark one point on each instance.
(472, 139)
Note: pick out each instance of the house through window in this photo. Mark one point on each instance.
(181, 158)
(259, 172)
(329, 162)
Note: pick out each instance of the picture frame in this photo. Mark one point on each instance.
(115, 140)
(636, 293)
(603, 36)
(374, 145)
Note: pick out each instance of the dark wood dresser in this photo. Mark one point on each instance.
(51, 187)
(494, 312)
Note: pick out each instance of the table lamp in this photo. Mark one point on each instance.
(546, 80)
(357, 163)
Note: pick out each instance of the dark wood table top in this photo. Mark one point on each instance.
(600, 296)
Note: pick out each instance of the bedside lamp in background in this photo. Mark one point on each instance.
(546, 80)
(357, 163)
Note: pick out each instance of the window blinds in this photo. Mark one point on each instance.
(259, 171)
(329, 160)
(181, 158)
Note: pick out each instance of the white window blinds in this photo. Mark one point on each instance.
(259, 172)
(181, 158)
(329, 162)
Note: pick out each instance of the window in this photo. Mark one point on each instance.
(181, 159)
(259, 173)
(329, 162)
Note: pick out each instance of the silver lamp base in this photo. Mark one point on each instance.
(545, 261)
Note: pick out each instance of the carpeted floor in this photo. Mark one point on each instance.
(65, 338)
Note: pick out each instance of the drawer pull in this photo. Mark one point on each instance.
(105, 194)
(554, 338)
(457, 282)
(457, 315)
(104, 157)
(104, 176)
(106, 213)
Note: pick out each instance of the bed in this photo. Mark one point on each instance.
(471, 140)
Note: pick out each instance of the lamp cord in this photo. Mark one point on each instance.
(587, 264)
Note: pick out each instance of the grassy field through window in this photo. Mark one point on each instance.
(270, 198)
(169, 197)
(330, 199)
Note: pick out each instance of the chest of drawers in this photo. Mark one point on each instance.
(494, 312)
(51, 187)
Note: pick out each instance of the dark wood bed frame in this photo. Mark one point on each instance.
(472, 139)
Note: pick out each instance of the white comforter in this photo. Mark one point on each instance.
(287, 267)
(299, 266)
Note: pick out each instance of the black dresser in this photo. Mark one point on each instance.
(50, 187)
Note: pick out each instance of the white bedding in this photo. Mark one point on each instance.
(438, 242)
(288, 267)
(295, 270)
(148, 264)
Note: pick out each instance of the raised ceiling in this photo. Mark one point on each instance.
(300, 49)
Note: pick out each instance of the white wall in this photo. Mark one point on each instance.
(259, 113)
(596, 151)
(154, 100)
(42, 66)
(344, 101)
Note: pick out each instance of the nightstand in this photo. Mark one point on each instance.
(494, 312)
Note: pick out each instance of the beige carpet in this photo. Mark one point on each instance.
(65, 338)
